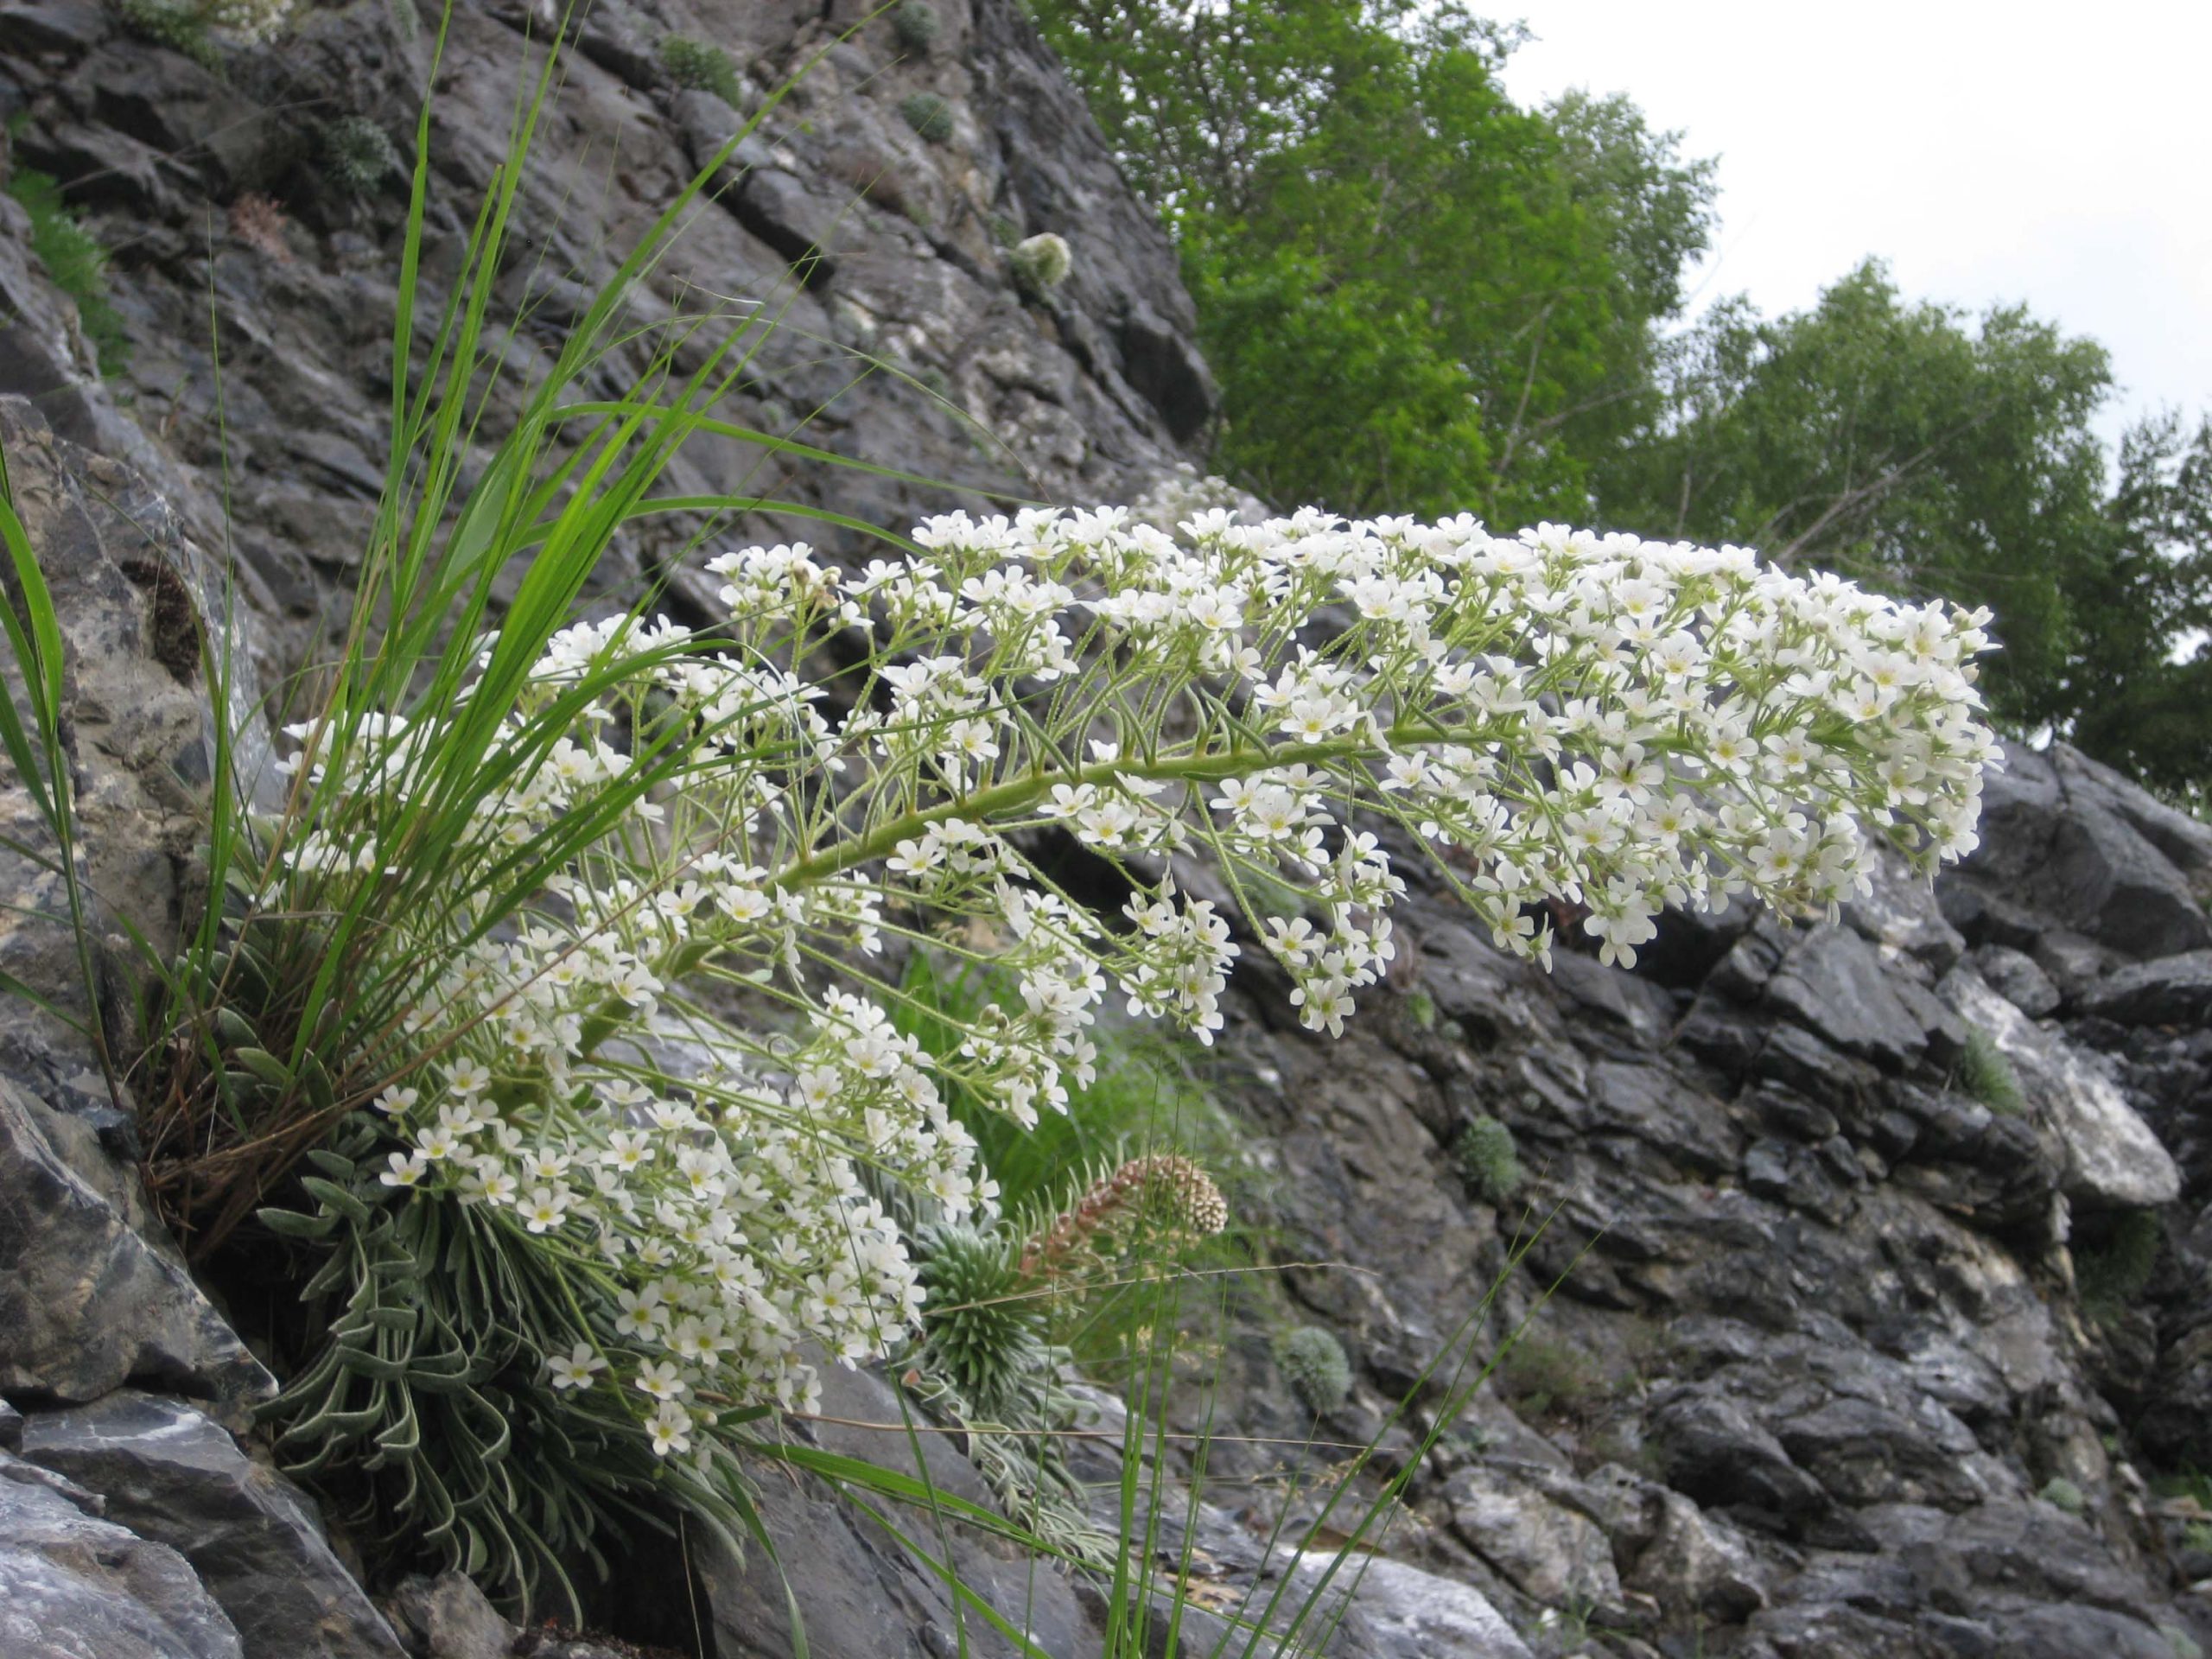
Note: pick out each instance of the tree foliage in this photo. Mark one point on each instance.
(1418, 296)
(1895, 442)
(1927, 452)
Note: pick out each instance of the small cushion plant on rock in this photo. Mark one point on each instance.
(2064, 1494)
(929, 115)
(700, 67)
(1313, 1362)
(1489, 1159)
(916, 25)
(1042, 264)
(358, 154)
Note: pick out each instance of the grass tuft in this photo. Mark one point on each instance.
(1988, 1076)
(2113, 1272)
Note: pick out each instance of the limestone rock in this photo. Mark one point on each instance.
(1398, 1612)
(1550, 1552)
(1701, 1559)
(1834, 983)
(2172, 991)
(80, 1587)
(2019, 978)
(87, 1302)
(449, 1617)
(174, 1475)
(2112, 1158)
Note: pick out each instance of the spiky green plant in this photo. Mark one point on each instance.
(915, 24)
(1987, 1075)
(700, 67)
(929, 115)
(1489, 1159)
(982, 1326)
(358, 154)
(1313, 1362)
(426, 1413)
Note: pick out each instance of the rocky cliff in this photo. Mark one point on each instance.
(1833, 1354)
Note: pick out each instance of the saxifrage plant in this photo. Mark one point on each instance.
(561, 962)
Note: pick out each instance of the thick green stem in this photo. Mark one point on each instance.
(1009, 799)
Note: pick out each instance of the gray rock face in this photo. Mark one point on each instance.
(173, 1475)
(86, 1302)
(1902, 915)
(864, 243)
(2113, 1157)
(450, 1618)
(855, 1589)
(1551, 1553)
(80, 1587)
(131, 599)
(2019, 979)
(1774, 1258)
(1834, 983)
(2067, 837)
(1397, 1612)
(2172, 991)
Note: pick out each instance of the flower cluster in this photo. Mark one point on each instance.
(1243, 721)
(1175, 1196)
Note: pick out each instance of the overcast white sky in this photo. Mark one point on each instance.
(2059, 156)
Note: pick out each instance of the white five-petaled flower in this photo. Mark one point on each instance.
(578, 1368)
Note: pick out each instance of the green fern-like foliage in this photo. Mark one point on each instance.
(2113, 1273)
(358, 154)
(76, 263)
(928, 115)
(700, 67)
(1986, 1076)
(916, 26)
(1313, 1362)
(1489, 1159)
(980, 1332)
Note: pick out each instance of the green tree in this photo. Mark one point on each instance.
(1418, 296)
(1899, 443)
(2137, 691)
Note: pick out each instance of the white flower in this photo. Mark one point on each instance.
(470, 1077)
(662, 1381)
(670, 1429)
(544, 1210)
(577, 1367)
(1629, 725)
